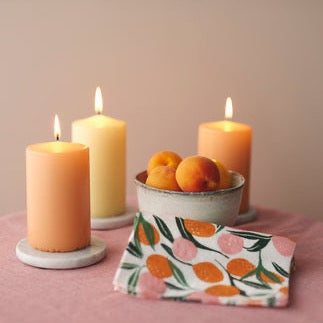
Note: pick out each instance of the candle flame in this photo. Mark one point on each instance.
(98, 101)
(228, 108)
(57, 128)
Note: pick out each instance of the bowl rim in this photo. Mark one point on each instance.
(180, 193)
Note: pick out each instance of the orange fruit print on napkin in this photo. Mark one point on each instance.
(190, 260)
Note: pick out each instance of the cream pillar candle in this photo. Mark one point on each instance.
(58, 196)
(106, 138)
(230, 143)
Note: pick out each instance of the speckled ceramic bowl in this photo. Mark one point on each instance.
(221, 207)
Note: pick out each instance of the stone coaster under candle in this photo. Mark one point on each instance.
(248, 216)
(90, 255)
(114, 222)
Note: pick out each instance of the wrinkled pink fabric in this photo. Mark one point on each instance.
(34, 295)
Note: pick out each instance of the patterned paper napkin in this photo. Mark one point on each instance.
(190, 260)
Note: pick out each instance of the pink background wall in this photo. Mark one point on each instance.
(164, 67)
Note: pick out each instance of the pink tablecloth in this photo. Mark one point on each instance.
(30, 294)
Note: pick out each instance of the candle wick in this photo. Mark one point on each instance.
(99, 112)
(57, 137)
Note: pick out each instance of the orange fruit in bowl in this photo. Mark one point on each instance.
(163, 158)
(225, 177)
(164, 178)
(197, 174)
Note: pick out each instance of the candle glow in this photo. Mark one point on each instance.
(98, 101)
(57, 128)
(228, 108)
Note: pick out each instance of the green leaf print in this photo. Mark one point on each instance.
(149, 232)
(271, 276)
(258, 245)
(134, 250)
(258, 275)
(271, 301)
(128, 266)
(177, 273)
(250, 273)
(163, 229)
(249, 235)
(219, 228)
(184, 233)
(280, 270)
(132, 282)
(136, 223)
(255, 285)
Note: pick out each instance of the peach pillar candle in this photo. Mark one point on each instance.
(106, 138)
(230, 143)
(58, 195)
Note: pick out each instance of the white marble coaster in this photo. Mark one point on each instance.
(114, 222)
(90, 255)
(248, 216)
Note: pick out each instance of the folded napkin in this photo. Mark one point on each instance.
(190, 260)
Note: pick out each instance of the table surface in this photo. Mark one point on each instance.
(29, 294)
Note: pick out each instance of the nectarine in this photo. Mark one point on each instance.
(225, 177)
(163, 177)
(163, 158)
(197, 174)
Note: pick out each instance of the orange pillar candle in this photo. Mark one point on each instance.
(230, 143)
(58, 195)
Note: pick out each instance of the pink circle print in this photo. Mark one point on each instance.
(230, 244)
(283, 245)
(184, 249)
(150, 286)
